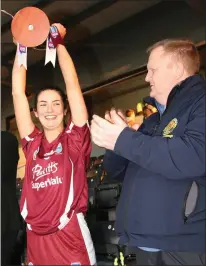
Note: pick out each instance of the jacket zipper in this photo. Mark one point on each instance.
(154, 130)
(133, 187)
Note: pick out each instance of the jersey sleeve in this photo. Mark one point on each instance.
(80, 140)
(28, 140)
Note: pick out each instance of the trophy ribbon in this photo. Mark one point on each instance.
(22, 55)
(53, 40)
(50, 52)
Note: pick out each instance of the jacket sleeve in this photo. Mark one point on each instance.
(173, 158)
(115, 165)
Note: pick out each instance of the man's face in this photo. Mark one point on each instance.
(161, 75)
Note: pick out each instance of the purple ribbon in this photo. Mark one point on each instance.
(22, 49)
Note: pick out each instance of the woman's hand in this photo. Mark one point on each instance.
(61, 29)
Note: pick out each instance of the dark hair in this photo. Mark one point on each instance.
(58, 90)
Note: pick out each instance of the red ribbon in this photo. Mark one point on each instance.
(54, 37)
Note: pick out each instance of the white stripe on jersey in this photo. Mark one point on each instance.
(29, 227)
(64, 219)
(27, 138)
(72, 124)
(70, 127)
(24, 211)
(87, 238)
(88, 125)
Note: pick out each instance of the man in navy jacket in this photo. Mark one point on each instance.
(161, 210)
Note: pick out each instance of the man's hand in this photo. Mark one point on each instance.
(117, 117)
(105, 133)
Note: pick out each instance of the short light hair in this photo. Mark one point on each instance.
(183, 50)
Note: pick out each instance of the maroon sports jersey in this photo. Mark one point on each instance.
(55, 184)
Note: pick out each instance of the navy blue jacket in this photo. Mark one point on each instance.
(162, 165)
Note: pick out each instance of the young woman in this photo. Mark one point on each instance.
(54, 196)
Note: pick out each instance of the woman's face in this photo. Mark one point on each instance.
(50, 109)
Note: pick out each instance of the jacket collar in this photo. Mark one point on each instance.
(185, 84)
(188, 83)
